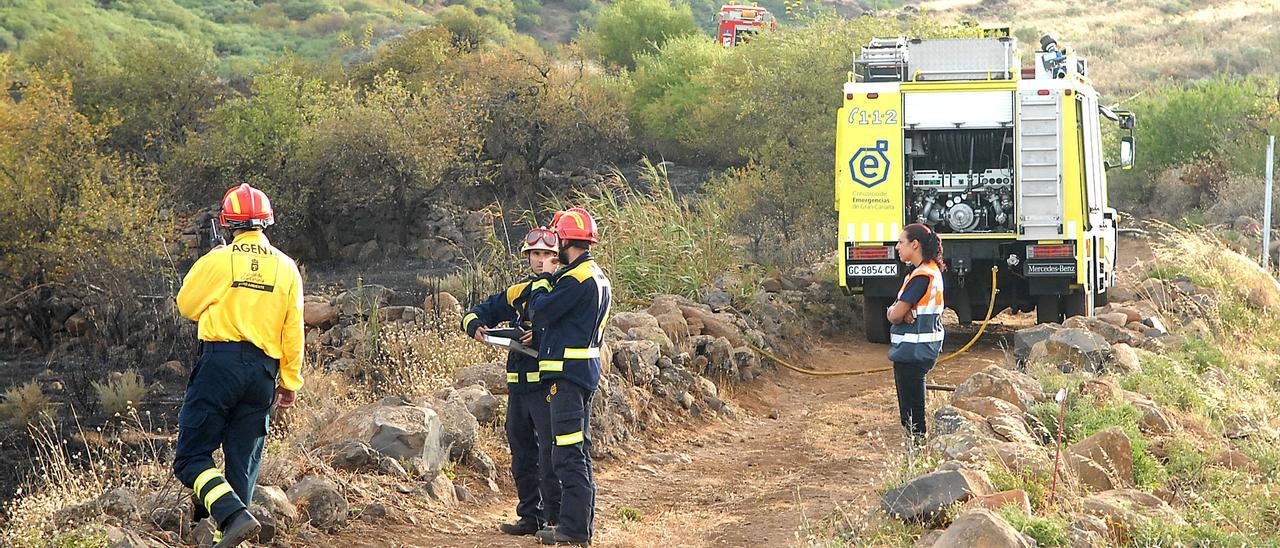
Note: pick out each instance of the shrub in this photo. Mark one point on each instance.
(630, 27)
(1047, 531)
(23, 405)
(120, 393)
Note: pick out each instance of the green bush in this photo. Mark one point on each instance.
(1047, 531)
(1085, 417)
(630, 27)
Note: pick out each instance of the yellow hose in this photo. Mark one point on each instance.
(991, 306)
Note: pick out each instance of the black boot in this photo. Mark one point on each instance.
(241, 527)
(552, 535)
(525, 526)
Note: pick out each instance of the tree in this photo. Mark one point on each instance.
(73, 217)
(668, 87)
(631, 27)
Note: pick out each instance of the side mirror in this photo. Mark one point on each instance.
(1126, 152)
(1127, 121)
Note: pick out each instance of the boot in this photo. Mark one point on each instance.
(552, 535)
(525, 526)
(242, 527)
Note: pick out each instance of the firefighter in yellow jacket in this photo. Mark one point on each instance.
(247, 299)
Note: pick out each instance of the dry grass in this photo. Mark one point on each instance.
(23, 405)
(120, 393)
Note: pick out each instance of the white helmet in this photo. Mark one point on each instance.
(540, 238)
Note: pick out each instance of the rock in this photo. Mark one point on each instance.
(1022, 459)
(369, 253)
(637, 360)
(1109, 332)
(1111, 449)
(626, 321)
(442, 303)
(399, 313)
(357, 456)
(1130, 314)
(463, 494)
(674, 325)
(655, 334)
(458, 427)
(168, 510)
(1084, 349)
(987, 406)
(1234, 460)
(1114, 318)
(1239, 426)
(1016, 498)
(1025, 339)
(1011, 428)
(319, 314)
(1153, 289)
(998, 382)
(718, 300)
(373, 513)
(984, 528)
(951, 420)
(1088, 531)
(707, 388)
(118, 537)
(928, 539)
(482, 405)
(78, 324)
(273, 509)
(1199, 328)
(120, 503)
(963, 446)
(492, 376)
(1125, 359)
(771, 285)
(1154, 420)
(1126, 508)
(395, 428)
(925, 498)
(441, 489)
(319, 501)
(1091, 475)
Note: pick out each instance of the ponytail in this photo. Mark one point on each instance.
(930, 243)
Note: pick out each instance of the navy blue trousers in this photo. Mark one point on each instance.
(227, 404)
(571, 456)
(530, 438)
(909, 379)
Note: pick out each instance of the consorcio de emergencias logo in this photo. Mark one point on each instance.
(869, 166)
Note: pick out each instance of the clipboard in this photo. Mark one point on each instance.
(509, 339)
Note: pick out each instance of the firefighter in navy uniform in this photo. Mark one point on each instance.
(528, 410)
(247, 300)
(572, 306)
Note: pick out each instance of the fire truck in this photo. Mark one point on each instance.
(1005, 162)
(738, 23)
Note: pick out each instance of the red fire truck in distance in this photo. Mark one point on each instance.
(738, 23)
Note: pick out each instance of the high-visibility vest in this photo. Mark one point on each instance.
(920, 341)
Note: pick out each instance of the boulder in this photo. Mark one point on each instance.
(987, 406)
(395, 428)
(637, 360)
(320, 502)
(482, 405)
(442, 303)
(927, 497)
(1025, 339)
(717, 299)
(1124, 509)
(369, 253)
(1086, 531)
(1109, 332)
(1114, 318)
(1022, 459)
(674, 325)
(1154, 290)
(982, 527)
(363, 300)
(1235, 460)
(400, 313)
(319, 314)
(628, 320)
(1239, 426)
(1131, 315)
(1011, 428)
(950, 420)
(928, 539)
(1111, 449)
(273, 509)
(1125, 359)
(492, 376)
(357, 456)
(1016, 498)
(1092, 476)
(441, 490)
(655, 334)
(78, 324)
(122, 537)
(168, 510)
(1000, 383)
(120, 503)
(962, 446)
(1084, 349)
(1154, 420)
(458, 427)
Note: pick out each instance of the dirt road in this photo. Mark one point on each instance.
(799, 448)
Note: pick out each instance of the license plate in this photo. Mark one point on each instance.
(873, 270)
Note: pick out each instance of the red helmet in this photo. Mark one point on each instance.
(540, 238)
(575, 224)
(246, 207)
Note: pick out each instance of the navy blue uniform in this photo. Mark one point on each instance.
(528, 409)
(572, 307)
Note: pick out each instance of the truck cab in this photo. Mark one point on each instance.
(1005, 162)
(737, 23)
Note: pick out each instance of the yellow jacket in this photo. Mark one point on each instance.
(249, 291)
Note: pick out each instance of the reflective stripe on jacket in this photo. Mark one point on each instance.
(920, 341)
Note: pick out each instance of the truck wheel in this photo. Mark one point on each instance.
(877, 325)
(1048, 309)
(1079, 303)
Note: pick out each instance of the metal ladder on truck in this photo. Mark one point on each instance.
(1040, 167)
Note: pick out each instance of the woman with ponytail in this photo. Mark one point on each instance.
(916, 334)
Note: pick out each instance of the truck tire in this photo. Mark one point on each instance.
(1049, 309)
(873, 319)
